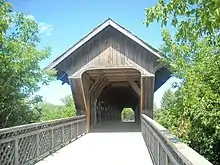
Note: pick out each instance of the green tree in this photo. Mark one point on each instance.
(51, 112)
(20, 72)
(193, 55)
(69, 108)
(167, 99)
(127, 114)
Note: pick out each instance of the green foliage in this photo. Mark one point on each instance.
(127, 114)
(171, 115)
(155, 110)
(19, 67)
(193, 55)
(51, 112)
(167, 99)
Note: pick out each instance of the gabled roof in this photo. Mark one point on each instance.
(94, 32)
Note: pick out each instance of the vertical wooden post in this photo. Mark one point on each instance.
(141, 95)
(16, 152)
(166, 160)
(77, 93)
(62, 134)
(52, 139)
(150, 104)
(38, 144)
(158, 152)
(71, 133)
(77, 129)
(86, 105)
(148, 95)
(95, 112)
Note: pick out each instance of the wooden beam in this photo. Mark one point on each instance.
(123, 79)
(86, 106)
(121, 70)
(135, 87)
(88, 78)
(120, 84)
(96, 83)
(115, 74)
(141, 97)
(101, 87)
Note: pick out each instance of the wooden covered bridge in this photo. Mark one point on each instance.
(108, 70)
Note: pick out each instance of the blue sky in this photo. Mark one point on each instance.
(63, 23)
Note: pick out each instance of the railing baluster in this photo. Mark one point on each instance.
(77, 129)
(62, 135)
(38, 144)
(158, 152)
(52, 139)
(16, 152)
(166, 159)
(71, 131)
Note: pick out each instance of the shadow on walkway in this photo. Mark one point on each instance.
(116, 126)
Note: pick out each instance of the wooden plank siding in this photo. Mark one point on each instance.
(109, 49)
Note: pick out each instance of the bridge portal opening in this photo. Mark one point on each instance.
(111, 90)
(127, 115)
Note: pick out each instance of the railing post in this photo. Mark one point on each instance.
(38, 145)
(52, 139)
(166, 159)
(77, 130)
(71, 129)
(62, 134)
(158, 152)
(16, 152)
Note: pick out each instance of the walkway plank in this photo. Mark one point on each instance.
(109, 148)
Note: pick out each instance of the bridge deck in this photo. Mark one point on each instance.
(110, 144)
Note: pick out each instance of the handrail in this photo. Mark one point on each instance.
(26, 144)
(167, 149)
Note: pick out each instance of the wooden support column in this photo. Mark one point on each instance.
(94, 112)
(147, 98)
(86, 83)
(77, 93)
(142, 95)
(80, 87)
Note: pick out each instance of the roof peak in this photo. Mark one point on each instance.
(95, 31)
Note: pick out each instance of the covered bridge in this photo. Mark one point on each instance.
(110, 69)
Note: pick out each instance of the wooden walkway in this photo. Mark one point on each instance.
(110, 144)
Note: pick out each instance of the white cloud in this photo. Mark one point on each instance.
(30, 17)
(44, 28)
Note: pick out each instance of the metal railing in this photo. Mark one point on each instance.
(165, 148)
(27, 144)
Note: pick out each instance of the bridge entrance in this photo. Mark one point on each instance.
(110, 91)
(108, 70)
